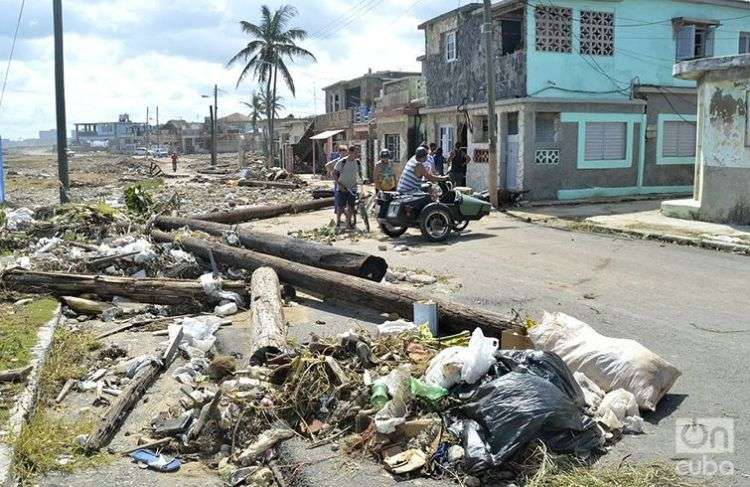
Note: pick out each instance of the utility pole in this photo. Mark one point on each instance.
(148, 129)
(215, 125)
(62, 131)
(158, 139)
(213, 135)
(491, 115)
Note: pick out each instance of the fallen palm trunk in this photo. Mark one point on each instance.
(267, 324)
(153, 291)
(119, 411)
(297, 250)
(247, 213)
(254, 183)
(454, 317)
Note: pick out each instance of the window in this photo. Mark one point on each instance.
(451, 53)
(554, 29)
(694, 41)
(597, 33)
(678, 139)
(512, 35)
(605, 141)
(393, 144)
(447, 136)
(336, 103)
(480, 130)
(546, 128)
(744, 43)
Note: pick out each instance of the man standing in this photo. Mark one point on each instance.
(459, 160)
(174, 161)
(340, 153)
(415, 170)
(346, 176)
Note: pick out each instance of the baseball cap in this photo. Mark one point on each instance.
(420, 153)
(385, 154)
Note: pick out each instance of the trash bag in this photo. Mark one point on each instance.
(619, 411)
(592, 392)
(462, 364)
(611, 363)
(532, 396)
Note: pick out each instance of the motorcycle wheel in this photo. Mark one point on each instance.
(461, 226)
(436, 224)
(392, 231)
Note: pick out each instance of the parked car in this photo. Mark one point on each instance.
(70, 153)
(160, 152)
(142, 151)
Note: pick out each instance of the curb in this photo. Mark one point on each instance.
(25, 401)
(587, 226)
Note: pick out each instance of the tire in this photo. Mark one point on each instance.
(461, 226)
(436, 224)
(392, 231)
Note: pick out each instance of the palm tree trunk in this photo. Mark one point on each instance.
(273, 99)
(269, 121)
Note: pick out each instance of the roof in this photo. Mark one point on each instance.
(326, 135)
(696, 69)
(236, 118)
(376, 74)
(469, 6)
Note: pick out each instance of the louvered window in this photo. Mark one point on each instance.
(678, 139)
(605, 141)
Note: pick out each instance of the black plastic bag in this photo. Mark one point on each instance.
(536, 398)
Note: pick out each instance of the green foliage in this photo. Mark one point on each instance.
(138, 200)
(18, 330)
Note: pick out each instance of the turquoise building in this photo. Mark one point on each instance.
(587, 104)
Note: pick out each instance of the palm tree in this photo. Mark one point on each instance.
(258, 106)
(271, 46)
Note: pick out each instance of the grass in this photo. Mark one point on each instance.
(49, 436)
(151, 184)
(45, 440)
(565, 472)
(18, 331)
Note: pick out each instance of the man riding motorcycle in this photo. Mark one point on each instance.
(411, 177)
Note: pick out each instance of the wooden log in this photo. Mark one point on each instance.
(453, 317)
(254, 183)
(303, 251)
(248, 213)
(153, 291)
(126, 401)
(267, 324)
(15, 375)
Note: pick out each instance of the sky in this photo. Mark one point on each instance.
(124, 55)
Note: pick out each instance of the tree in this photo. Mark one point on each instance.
(258, 106)
(272, 45)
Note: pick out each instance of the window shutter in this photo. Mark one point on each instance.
(708, 43)
(685, 42)
(594, 141)
(678, 139)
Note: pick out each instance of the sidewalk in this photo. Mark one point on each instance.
(640, 219)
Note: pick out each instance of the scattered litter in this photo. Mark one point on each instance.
(155, 461)
(20, 219)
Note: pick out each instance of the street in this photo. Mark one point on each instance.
(685, 304)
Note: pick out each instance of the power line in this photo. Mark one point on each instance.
(12, 50)
(352, 20)
(342, 21)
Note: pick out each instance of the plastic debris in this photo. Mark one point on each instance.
(407, 461)
(19, 219)
(155, 461)
(619, 411)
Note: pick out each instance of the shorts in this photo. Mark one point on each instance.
(345, 198)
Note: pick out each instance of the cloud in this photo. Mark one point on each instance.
(124, 55)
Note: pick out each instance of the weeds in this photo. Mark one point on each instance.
(18, 332)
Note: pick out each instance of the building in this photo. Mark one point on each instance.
(586, 102)
(236, 123)
(722, 173)
(397, 118)
(350, 115)
(122, 136)
(48, 136)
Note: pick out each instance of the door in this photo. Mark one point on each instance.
(511, 162)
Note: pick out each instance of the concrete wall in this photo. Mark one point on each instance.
(646, 51)
(657, 173)
(463, 81)
(724, 147)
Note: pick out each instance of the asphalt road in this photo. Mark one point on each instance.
(687, 304)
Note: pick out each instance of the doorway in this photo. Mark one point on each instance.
(512, 139)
